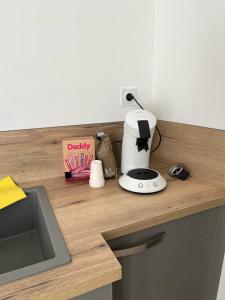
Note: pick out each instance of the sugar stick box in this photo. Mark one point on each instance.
(78, 153)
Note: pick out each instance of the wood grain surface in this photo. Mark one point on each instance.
(201, 149)
(89, 217)
(35, 154)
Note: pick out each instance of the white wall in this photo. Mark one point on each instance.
(189, 62)
(64, 61)
(189, 66)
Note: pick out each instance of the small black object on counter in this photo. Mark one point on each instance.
(179, 171)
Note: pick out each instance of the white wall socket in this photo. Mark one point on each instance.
(123, 93)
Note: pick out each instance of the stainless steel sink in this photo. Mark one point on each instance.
(30, 238)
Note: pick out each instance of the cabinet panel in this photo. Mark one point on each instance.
(217, 257)
(175, 268)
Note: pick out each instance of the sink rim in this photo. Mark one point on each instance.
(62, 255)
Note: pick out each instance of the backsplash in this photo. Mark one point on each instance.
(35, 154)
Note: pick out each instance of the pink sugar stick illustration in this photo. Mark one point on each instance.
(82, 159)
(76, 170)
(85, 171)
(89, 161)
(79, 170)
(72, 161)
(81, 175)
(86, 160)
(68, 164)
(77, 161)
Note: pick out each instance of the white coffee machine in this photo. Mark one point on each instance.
(139, 128)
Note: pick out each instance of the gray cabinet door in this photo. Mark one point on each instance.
(175, 267)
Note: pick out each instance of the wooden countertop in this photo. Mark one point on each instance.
(88, 217)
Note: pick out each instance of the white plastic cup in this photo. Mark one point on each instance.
(96, 174)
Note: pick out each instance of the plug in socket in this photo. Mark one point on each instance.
(123, 93)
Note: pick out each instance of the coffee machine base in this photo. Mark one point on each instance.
(142, 180)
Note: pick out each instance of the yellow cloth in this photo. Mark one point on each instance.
(9, 192)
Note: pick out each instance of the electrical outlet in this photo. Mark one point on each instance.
(123, 93)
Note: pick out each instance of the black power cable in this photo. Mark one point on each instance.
(131, 97)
